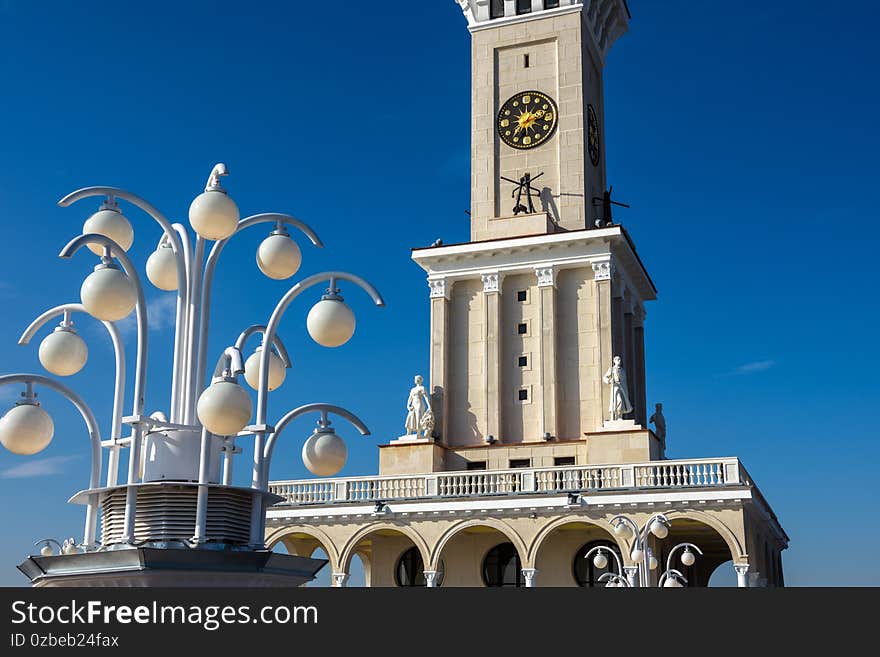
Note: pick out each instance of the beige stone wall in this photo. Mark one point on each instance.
(466, 390)
(521, 420)
(579, 369)
(561, 65)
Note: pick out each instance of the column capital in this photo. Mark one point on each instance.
(529, 574)
(741, 569)
(632, 575)
(440, 288)
(340, 579)
(491, 281)
(546, 275)
(431, 578)
(603, 269)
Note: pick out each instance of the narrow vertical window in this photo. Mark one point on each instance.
(525, 61)
(496, 9)
(523, 7)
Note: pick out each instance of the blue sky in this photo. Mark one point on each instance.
(744, 136)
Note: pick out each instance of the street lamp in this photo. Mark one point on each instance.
(672, 578)
(628, 530)
(173, 454)
(613, 578)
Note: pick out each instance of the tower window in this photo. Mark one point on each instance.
(496, 9)
(522, 329)
(523, 7)
(476, 465)
(523, 395)
(520, 463)
(563, 460)
(523, 361)
(522, 295)
(551, 4)
(525, 61)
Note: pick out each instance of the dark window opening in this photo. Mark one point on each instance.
(522, 329)
(563, 460)
(410, 569)
(476, 465)
(523, 395)
(523, 7)
(523, 361)
(525, 61)
(502, 566)
(551, 4)
(520, 463)
(496, 9)
(585, 572)
(522, 295)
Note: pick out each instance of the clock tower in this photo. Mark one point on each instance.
(537, 109)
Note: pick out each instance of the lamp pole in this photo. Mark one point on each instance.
(625, 527)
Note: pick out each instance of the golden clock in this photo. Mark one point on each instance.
(527, 119)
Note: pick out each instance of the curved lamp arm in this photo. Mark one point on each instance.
(324, 422)
(680, 545)
(118, 352)
(94, 439)
(620, 580)
(141, 308)
(600, 548)
(278, 313)
(668, 573)
(230, 359)
(261, 328)
(176, 246)
(211, 266)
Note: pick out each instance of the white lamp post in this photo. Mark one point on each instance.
(627, 529)
(613, 578)
(673, 578)
(172, 454)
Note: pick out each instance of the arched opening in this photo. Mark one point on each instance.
(302, 544)
(410, 570)
(388, 557)
(476, 554)
(715, 551)
(724, 576)
(502, 567)
(560, 552)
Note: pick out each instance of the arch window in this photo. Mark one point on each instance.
(410, 570)
(585, 572)
(502, 567)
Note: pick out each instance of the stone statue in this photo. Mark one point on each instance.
(616, 377)
(419, 418)
(659, 422)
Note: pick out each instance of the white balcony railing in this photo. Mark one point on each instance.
(694, 473)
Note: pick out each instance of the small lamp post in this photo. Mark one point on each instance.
(627, 529)
(673, 578)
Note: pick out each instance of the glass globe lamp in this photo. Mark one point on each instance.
(108, 294)
(277, 370)
(63, 352)
(224, 408)
(600, 561)
(278, 256)
(324, 453)
(213, 215)
(109, 222)
(331, 322)
(162, 268)
(26, 429)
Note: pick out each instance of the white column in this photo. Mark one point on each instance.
(529, 574)
(431, 578)
(492, 352)
(742, 572)
(632, 575)
(340, 580)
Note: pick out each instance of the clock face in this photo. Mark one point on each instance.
(527, 120)
(593, 135)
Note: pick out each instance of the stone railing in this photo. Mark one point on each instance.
(693, 473)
